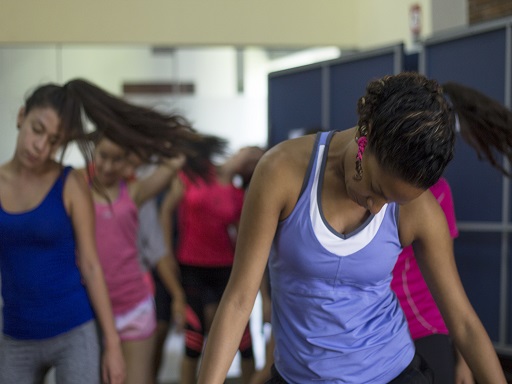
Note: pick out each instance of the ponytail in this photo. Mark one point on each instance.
(141, 130)
(485, 124)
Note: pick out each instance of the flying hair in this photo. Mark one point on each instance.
(485, 124)
(149, 134)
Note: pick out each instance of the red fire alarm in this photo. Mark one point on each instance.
(415, 20)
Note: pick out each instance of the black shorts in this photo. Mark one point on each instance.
(204, 285)
(417, 372)
(163, 300)
(439, 353)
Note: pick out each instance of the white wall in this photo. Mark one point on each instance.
(215, 108)
(449, 14)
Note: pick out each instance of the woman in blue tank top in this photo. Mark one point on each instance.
(53, 287)
(337, 208)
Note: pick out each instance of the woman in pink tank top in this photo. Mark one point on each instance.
(485, 125)
(116, 205)
(166, 140)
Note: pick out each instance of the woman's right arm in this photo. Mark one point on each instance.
(263, 205)
(167, 267)
(78, 201)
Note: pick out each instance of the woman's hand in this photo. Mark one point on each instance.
(179, 313)
(463, 374)
(113, 369)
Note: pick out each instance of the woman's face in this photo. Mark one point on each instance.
(39, 136)
(110, 162)
(378, 187)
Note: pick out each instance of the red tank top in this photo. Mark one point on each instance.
(206, 215)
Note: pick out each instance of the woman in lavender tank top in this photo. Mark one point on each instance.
(338, 209)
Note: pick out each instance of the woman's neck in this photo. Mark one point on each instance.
(103, 192)
(17, 167)
(342, 152)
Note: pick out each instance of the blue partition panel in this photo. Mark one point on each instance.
(476, 185)
(509, 294)
(348, 80)
(295, 102)
(411, 62)
(478, 260)
(478, 61)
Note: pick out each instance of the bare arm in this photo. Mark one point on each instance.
(263, 205)
(168, 273)
(463, 374)
(79, 205)
(147, 188)
(167, 209)
(424, 222)
(167, 267)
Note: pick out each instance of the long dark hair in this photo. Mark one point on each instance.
(146, 132)
(485, 124)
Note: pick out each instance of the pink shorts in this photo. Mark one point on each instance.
(139, 323)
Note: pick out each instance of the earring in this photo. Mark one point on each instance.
(361, 141)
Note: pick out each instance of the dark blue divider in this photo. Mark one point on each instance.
(295, 102)
(324, 95)
(476, 58)
(478, 261)
(348, 80)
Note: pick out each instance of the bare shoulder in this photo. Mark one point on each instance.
(77, 179)
(76, 189)
(419, 217)
(290, 157)
(82, 172)
(280, 173)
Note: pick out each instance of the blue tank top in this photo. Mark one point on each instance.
(334, 315)
(41, 284)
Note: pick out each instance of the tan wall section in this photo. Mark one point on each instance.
(280, 23)
(387, 22)
(180, 22)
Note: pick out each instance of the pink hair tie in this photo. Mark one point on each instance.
(361, 144)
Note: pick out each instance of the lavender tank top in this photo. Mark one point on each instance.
(334, 315)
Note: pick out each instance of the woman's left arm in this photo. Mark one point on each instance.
(79, 205)
(422, 221)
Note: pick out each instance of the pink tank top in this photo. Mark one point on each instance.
(420, 309)
(116, 238)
